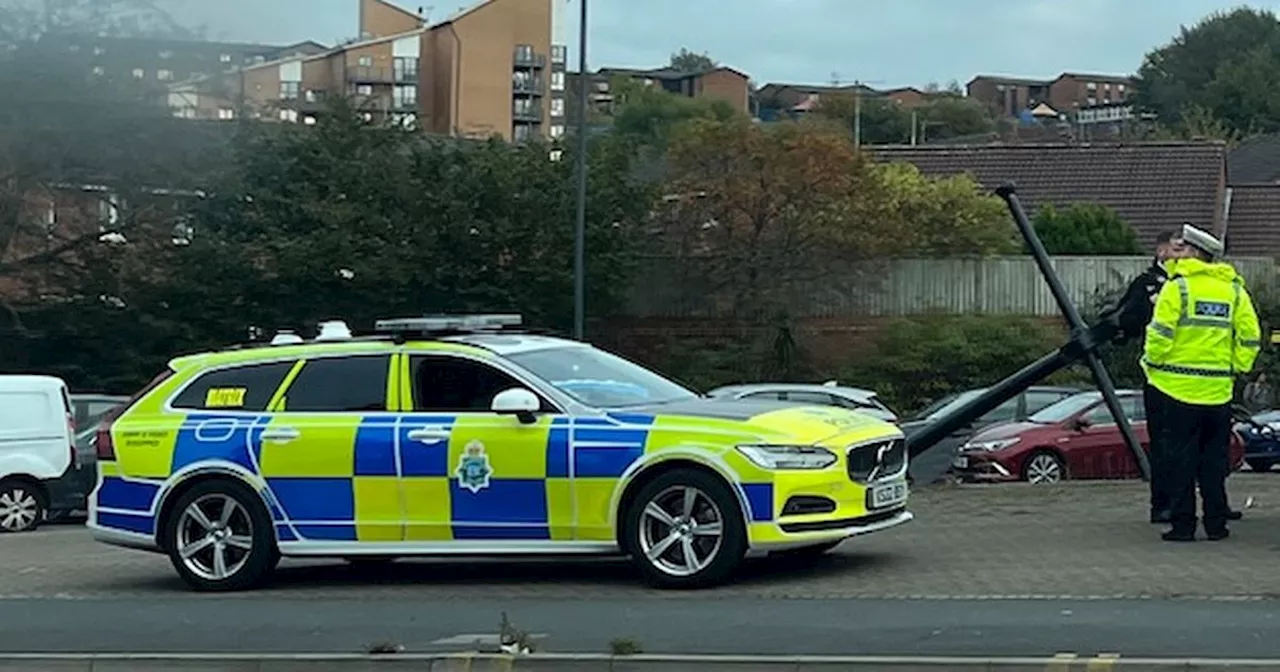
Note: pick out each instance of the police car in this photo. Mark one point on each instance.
(465, 435)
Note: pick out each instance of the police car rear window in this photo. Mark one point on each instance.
(242, 388)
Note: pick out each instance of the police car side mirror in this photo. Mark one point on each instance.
(519, 402)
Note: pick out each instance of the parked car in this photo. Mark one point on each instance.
(826, 394)
(37, 454)
(933, 464)
(89, 410)
(1075, 438)
(1261, 447)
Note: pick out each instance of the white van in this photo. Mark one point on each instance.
(37, 451)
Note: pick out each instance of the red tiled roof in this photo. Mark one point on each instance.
(1253, 221)
(1153, 186)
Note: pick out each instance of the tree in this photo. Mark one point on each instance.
(882, 120)
(1227, 65)
(946, 217)
(692, 63)
(947, 115)
(1085, 229)
(649, 114)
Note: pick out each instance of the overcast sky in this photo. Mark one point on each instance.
(880, 42)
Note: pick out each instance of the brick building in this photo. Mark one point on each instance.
(777, 100)
(487, 70)
(723, 83)
(1070, 93)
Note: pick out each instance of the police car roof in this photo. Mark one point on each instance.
(506, 344)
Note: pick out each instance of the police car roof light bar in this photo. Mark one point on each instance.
(1083, 345)
(433, 324)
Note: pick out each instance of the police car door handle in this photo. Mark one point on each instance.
(429, 435)
(280, 434)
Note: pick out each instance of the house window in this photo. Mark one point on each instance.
(557, 131)
(1092, 86)
(309, 120)
(559, 53)
(405, 96)
(522, 132)
(224, 58)
(365, 61)
(523, 107)
(226, 113)
(405, 69)
(139, 73)
(289, 115)
(290, 90)
(98, 51)
(364, 89)
(524, 52)
(557, 107)
(164, 75)
(99, 70)
(557, 81)
(1092, 100)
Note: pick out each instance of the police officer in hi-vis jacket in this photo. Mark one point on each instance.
(1204, 332)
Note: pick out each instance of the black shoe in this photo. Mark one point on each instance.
(1161, 517)
(1235, 515)
(1218, 535)
(1178, 535)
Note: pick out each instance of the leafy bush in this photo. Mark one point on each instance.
(917, 360)
(1085, 229)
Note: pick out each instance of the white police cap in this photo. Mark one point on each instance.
(1201, 240)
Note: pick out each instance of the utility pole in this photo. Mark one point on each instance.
(580, 227)
(914, 120)
(857, 114)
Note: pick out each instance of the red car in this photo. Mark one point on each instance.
(1074, 438)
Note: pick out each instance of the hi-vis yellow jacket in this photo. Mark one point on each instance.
(1204, 332)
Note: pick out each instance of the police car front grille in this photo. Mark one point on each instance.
(872, 460)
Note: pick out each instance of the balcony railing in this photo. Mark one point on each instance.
(533, 87)
(531, 113)
(524, 59)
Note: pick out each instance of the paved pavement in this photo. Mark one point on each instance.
(1082, 540)
(992, 570)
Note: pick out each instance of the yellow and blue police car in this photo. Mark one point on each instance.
(465, 435)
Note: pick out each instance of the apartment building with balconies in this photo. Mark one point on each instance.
(484, 71)
(1070, 93)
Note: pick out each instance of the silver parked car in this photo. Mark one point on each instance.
(827, 394)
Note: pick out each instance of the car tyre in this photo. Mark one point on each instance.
(23, 505)
(1044, 467)
(220, 538)
(683, 512)
(1260, 464)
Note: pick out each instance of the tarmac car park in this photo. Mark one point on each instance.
(460, 436)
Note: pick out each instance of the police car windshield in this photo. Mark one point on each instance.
(597, 378)
(1055, 413)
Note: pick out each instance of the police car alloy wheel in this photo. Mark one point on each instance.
(684, 529)
(21, 507)
(1043, 467)
(219, 537)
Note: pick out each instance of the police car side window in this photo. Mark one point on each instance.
(340, 385)
(243, 388)
(454, 384)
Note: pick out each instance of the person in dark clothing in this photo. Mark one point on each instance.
(1130, 317)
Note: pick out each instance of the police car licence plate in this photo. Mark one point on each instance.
(960, 462)
(883, 496)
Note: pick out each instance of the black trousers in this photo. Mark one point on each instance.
(1195, 442)
(1152, 400)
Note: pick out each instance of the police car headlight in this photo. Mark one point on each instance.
(992, 446)
(788, 457)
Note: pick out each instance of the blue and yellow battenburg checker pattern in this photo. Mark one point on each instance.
(366, 478)
(400, 476)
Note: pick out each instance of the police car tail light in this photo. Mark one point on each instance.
(788, 457)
